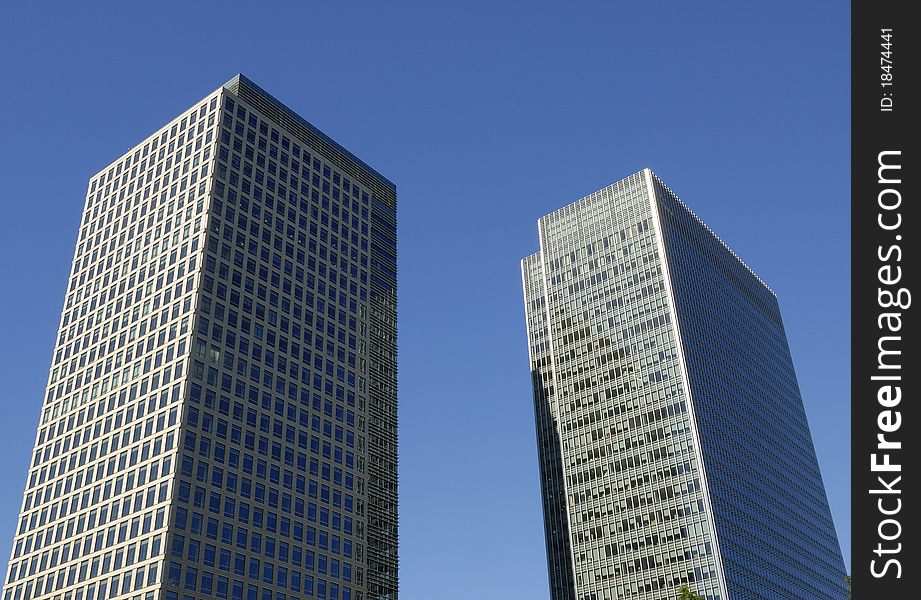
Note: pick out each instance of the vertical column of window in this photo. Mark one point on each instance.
(382, 400)
(553, 492)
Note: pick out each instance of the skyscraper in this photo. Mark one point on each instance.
(673, 444)
(220, 415)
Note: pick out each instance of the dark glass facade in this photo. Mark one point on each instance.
(777, 539)
(303, 237)
(668, 416)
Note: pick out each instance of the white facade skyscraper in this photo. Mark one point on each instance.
(673, 443)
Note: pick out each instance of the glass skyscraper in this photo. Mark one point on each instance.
(673, 444)
(220, 414)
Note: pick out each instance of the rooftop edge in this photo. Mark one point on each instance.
(240, 82)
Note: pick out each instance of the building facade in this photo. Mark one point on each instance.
(220, 415)
(673, 443)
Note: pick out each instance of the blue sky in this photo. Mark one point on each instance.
(486, 115)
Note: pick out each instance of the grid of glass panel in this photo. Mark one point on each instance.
(382, 536)
(95, 508)
(273, 491)
(638, 524)
(220, 419)
(775, 530)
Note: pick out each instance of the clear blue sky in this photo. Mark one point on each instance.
(487, 116)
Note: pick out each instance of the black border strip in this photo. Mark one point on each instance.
(884, 267)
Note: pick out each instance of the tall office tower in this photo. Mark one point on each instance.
(220, 416)
(673, 444)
